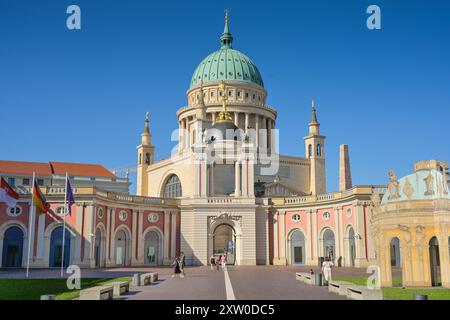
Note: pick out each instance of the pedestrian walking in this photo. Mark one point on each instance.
(212, 262)
(183, 264)
(218, 262)
(177, 267)
(326, 270)
(223, 261)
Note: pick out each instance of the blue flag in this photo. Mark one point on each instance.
(69, 197)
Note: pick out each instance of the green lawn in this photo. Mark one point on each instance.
(32, 289)
(399, 293)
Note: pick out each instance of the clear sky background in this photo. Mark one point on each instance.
(81, 96)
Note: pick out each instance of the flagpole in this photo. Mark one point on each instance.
(66, 210)
(30, 224)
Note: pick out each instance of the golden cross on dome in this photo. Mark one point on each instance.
(226, 15)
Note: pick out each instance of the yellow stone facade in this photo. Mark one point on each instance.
(416, 211)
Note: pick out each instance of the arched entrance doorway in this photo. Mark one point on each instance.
(56, 248)
(434, 262)
(396, 253)
(396, 262)
(121, 251)
(329, 250)
(12, 248)
(351, 246)
(297, 247)
(99, 249)
(152, 248)
(224, 242)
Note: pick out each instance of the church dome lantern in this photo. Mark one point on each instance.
(226, 64)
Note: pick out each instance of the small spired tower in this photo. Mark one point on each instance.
(146, 153)
(315, 152)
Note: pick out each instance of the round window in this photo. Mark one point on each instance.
(153, 217)
(326, 216)
(100, 213)
(296, 217)
(349, 212)
(123, 216)
(14, 212)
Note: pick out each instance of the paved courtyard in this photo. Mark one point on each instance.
(200, 283)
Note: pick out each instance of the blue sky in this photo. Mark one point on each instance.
(81, 96)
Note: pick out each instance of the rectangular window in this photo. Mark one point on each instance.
(26, 182)
(12, 182)
(40, 182)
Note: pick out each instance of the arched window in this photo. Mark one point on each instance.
(172, 188)
(319, 150)
(147, 158)
(310, 151)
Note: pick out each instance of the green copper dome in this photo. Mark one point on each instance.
(226, 64)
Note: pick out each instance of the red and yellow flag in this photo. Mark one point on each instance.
(39, 200)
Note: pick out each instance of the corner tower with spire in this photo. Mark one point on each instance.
(315, 152)
(145, 158)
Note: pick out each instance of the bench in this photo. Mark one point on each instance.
(364, 293)
(306, 278)
(303, 277)
(120, 288)
(97, 293)
(147, 278)
(339, 287)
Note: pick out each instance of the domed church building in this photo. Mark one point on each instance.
(226, 189)
(254, 203)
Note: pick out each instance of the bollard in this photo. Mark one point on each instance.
(318, 279)
(48, 297)
(420, 296)
(136, 279)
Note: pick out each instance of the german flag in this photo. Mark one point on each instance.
(39, 200)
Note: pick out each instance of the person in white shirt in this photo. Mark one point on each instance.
(326, 269)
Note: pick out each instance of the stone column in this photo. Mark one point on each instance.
(211, 169)
(113, 237)
(315, 238)
(343, 237)
(236, 119)
(444, 256)
(140, 244)
(173, 242)
(180, 136)
(203, 168)
(360, 259)
(275, 237)
(134, 244)
(244, 178)
(309, 239)
(166, 259)
(213, 117)
(282, 235)
(257, 129)
(188, 133)
(246, 122)
(89, 236)
(384, 259)
(251, 178)
(338, 238)
(108, 237)
(237, 179)
(263, 142)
